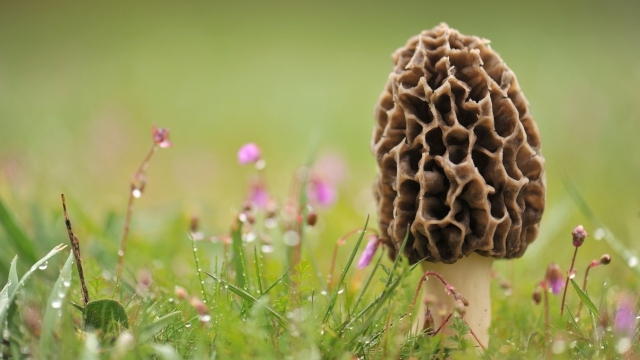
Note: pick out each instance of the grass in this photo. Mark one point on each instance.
(241, 299)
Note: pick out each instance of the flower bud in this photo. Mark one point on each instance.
(554, 278)
(605, 259)
(578, 234)
(428, 326)
(181, 293)
(537, 296)
(312, 218)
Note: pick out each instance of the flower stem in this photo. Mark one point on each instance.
(127, 221)
(584, 288)
(566, 285)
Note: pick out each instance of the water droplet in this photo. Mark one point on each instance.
(136, 193)
(573, 344)
(62, 294)
(170, 300)
(270, 223)
(341, 291)
(249, 237)
(623, 345)
(56, 304)
(558, 347)
(291, 238)
(43, 266)
(242, 217)
(572, 275)
(204, 317)
(267, 249)
(120, 253)
(187, 325)
(599, 234)
(66, 283)
(195, 249)
(323, 293)
(633, 261)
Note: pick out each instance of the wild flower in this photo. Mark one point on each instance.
(625, 318)
(369, 251)
(554, 278)
(161, 137)
(321, 192)
(578, 234)
(248, 153)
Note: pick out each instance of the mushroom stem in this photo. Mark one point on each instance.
(471, 278)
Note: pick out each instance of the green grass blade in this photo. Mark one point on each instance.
(238, 257)
(13, 276)
(22, 244)
(25, 277)
(586, 300)
(276, 282)
(248, 297)
(256, 262)
(368, 282)
(151, 330)
(343, 275)
(54, 307)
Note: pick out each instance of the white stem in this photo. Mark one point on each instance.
(471, 278)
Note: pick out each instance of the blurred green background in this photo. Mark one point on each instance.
(82, 83)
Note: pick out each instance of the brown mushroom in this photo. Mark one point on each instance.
(460, 164)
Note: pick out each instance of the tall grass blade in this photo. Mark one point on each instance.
(586, 300)
(238, 256)
(343, 275)
(248, 297)
(12, 296)
(54, 307)
(21, 243)
(150, 330)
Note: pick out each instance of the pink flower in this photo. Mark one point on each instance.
(579, 234)
(321, 192)
(161, 137)
(258, 194)
(625, 321)
(369, 251)
(248, 153)
(554, 278)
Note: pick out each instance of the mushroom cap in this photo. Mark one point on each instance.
(458, 152)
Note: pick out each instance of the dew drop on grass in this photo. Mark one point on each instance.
(270, 223)
(267, 249)
(136, 193)
(623, 345)
(249, 237)
(187, 325)
(56, 304)
(204, 317)
(633, 261)
(66, 283)
(195, 249)
(44, 266)
(291, 238)
(558, 347)
(341, 291)
(323, 293)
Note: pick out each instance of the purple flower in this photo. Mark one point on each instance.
(161, 137)
(625, 321)
(578, 234)
(248, 153)
(554, 278)
(258, 194)
(369, 251)
(321, 192)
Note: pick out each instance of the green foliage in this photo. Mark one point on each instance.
(105, 315)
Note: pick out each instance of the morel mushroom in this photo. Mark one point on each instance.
(460, 164)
